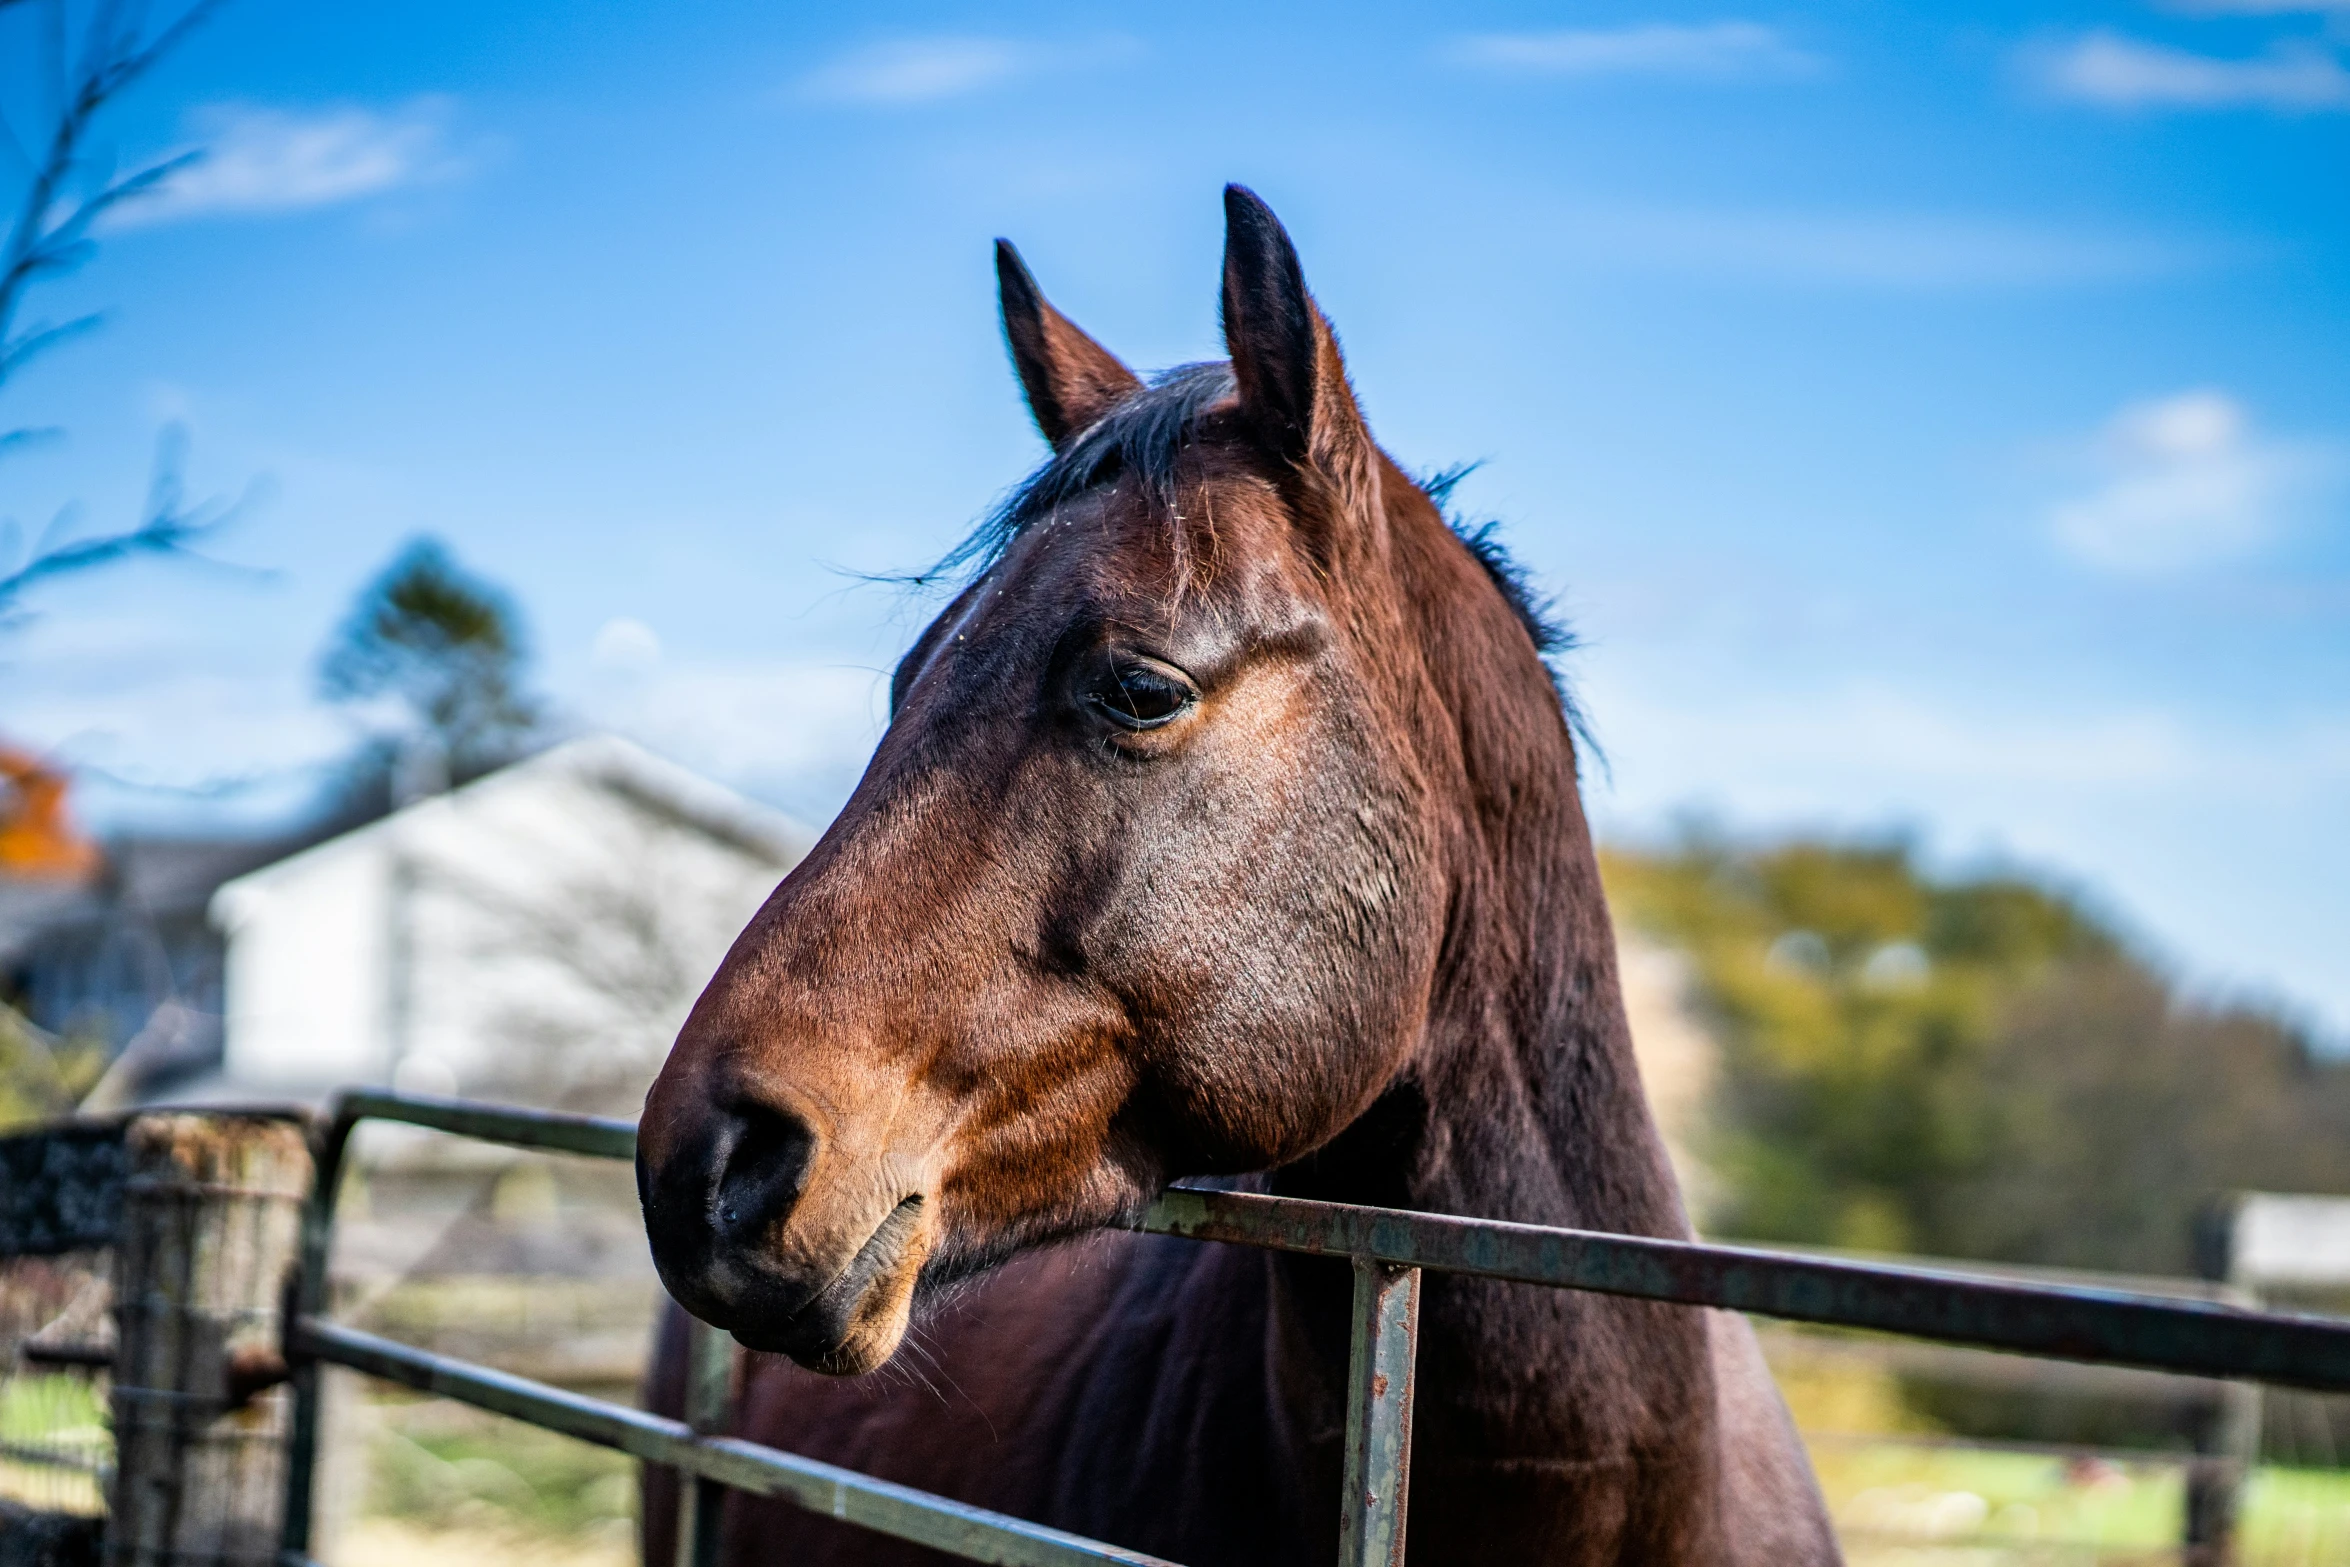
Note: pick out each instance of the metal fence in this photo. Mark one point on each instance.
(1389, 1251)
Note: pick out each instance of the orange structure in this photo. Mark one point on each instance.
(37, 836)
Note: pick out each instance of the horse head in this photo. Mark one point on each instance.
(1151, 874)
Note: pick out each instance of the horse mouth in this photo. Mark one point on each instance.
(854, 1323)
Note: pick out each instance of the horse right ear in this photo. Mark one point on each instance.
(1071, 380)
(1285, 359)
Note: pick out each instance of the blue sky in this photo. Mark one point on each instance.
(1930, 416)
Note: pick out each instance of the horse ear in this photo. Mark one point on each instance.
(1293, 387)
(1071, 380)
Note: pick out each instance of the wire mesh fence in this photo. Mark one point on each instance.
(60, 1207)
(56, 1438)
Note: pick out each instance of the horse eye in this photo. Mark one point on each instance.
(1137, 695)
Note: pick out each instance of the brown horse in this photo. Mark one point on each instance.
(1226, 823)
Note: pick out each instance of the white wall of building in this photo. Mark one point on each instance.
(535, 936)
(305, 973)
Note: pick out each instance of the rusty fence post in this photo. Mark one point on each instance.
(211, 1219)
(1380, 1355)
(2226, 1429)
(2227, 1446)
(709, 1399)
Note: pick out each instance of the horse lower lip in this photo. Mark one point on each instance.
(816, 1325)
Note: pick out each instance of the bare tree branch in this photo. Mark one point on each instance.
(51, 234)
(167, 526)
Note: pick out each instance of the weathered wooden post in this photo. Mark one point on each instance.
(211, 1226)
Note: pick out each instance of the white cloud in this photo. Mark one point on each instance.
(624, 643)
(163, 726)
(901, 71)
(1862, 744)
(257, 160)
(2182, 481)
(151, 715)
(1719, 51)
(2126, 73)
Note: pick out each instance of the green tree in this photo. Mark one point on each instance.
(445, 653)
(2118, 1110)
(1971, 1067)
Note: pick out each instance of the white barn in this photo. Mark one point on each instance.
(534, 937)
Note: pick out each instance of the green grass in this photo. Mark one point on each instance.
(1947, 1494)
(445, 1466)
(2297, 1515)
(1891, 1500)
(54, 1413)
(42, 1408)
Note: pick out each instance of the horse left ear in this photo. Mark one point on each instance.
(1293, 387)
(1070, 379)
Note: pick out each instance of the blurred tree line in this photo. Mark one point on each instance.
(1974, 1067)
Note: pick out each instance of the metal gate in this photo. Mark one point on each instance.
(1389, 1249)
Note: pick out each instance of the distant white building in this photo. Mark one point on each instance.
(536, 936)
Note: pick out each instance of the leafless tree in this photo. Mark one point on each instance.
(68, 189)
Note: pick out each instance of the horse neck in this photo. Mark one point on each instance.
(1524, 1101)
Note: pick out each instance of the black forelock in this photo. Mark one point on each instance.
(1144, 435)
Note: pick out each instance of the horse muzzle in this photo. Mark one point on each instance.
(759, 1228)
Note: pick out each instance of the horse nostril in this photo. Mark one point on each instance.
(766, 1169)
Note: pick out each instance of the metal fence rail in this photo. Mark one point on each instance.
(2061, 1322)
(1388, 1248)
(744, 1466)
